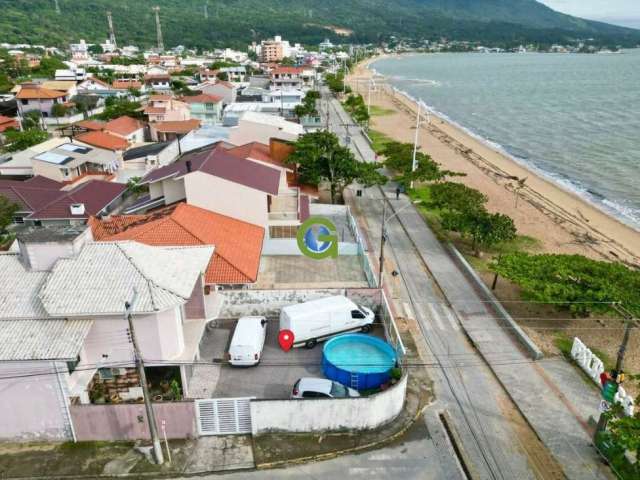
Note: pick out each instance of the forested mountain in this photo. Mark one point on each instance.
(236, 22)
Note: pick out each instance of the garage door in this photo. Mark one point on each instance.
(223, 416)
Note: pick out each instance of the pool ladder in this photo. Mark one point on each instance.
(354, 381)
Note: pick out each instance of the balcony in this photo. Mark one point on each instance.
(284, 207)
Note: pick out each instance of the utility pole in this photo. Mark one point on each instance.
(630, 323)
(57, 6)
(383, 239)
(153, 429)
(206, 12)
(112, 33)
(156, 9)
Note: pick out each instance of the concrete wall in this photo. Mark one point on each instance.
(173, 190)
(320, 415)
(289, 246)
(32, 401)
(129, 421)
(42, 255)
(247, 131)
(225, 197)
(269, 302)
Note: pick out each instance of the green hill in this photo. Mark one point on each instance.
(236, 22)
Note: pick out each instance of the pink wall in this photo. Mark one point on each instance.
(122, 422)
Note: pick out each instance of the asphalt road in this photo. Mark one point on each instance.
(494, 433)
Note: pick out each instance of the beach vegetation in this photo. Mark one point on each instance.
(378, 140)
(572, 282)
(335, 82)
(483, 228)
(320, 158)
(376, 111)
(399, 159)
(354, 104)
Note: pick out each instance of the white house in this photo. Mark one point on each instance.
(64, 326)
(262, 127)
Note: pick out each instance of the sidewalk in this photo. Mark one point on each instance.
(548, 411)
(111, 459)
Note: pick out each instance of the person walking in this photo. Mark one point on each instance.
(398, 192)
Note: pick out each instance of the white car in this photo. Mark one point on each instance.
(321, 388)
(247, 342)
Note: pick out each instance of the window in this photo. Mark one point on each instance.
(209, 106)
(24, 101)
(18, 219)
(357, 314)
(338, 390)
(311, 394)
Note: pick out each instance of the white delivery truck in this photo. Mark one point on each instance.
(320, 319)
(247, 342)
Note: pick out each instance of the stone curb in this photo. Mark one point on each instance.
(522, 337)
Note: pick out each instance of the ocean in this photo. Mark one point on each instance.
(573, 118)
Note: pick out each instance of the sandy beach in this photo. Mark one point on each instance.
(561, 221)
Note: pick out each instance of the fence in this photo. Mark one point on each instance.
(129, 421)
(322, 415)
(363, 256)
(78, 117)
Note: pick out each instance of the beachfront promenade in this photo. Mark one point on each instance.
(486, 388)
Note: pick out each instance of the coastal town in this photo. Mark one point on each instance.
(232, 261)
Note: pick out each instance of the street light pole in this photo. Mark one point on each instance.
(153, 429)
(414, 164)
(383, 234)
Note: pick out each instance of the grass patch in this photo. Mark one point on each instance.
(378, 140)
(376, 111)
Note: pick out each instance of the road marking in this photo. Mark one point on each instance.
(452, 319)
(435, 316)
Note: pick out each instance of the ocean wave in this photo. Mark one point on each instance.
(627, 215)
(419, 81)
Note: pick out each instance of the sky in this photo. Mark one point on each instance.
(621, 12)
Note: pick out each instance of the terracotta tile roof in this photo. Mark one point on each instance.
(202, 98)
(125, 84)
(33, 93)
(287, 70)
(91, 124)
(177, 126)
(160, 98)
(237, 244)
(220, 163)
(257, 151)
(103, 140)
(309, 190)
(157, 76)
(94, 194)
(8, 122)
(123, 125)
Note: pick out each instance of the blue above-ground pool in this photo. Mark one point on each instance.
(358, 361)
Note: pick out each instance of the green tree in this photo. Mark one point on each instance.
(320, 157)
(288, 62)
(96, 49)
(485, 229)
(31, 119)
(573, 282)
(399, 159)
(117, 107)
(134, 186)
(7, 211)
(59, 110)
(17, 141)
(48, 67)
(455, 196)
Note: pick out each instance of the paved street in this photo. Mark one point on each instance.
(494, 433)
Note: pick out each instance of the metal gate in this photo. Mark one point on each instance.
(223, 416)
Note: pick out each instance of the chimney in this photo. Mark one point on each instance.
(77, 208)
(188, 163)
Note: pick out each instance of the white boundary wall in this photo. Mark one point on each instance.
(324, 415)
(593, 367)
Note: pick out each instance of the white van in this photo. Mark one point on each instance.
(247, 342)
(320, 319)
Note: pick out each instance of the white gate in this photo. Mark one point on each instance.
(223, 416)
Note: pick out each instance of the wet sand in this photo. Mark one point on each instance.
(561, 221)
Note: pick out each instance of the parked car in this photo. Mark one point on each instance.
(247, 342)
(320, 319)
(321, 388)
